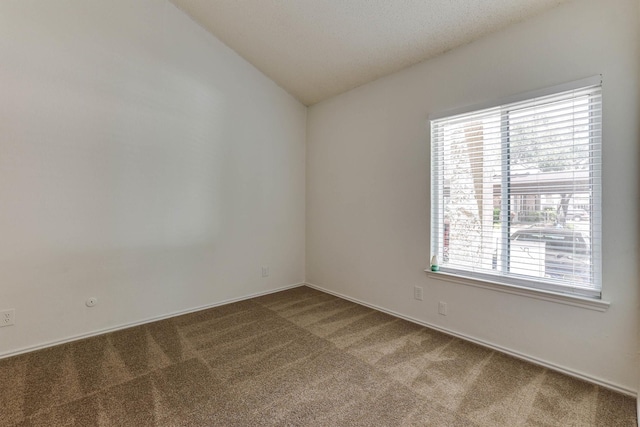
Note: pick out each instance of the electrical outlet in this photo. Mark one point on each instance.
(7, 317)
(417, 293)
(442, 308)
(265, 271)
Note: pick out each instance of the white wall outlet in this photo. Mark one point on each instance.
(265, 271)
(92, 301)
(417, 293)
(442, 308)
(7, 317)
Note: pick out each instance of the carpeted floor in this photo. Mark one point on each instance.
(297, 358)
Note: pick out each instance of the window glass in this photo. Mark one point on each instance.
(516, 192)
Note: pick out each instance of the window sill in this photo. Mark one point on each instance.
(575, 301)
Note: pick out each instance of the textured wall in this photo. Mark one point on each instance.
(141, 162)
(368, 188)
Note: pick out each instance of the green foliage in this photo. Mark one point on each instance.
(544, 143)
(531, 216)
(551, 214)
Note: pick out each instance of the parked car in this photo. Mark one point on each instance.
(577, 215)
(550, 252)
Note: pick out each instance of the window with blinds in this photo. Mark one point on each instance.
(516, 190)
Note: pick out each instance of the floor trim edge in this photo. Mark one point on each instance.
(29, 349)
(487, 344)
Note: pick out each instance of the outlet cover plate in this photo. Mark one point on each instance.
(442, 308)
(7, 317)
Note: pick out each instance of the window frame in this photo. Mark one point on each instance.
(528, 283)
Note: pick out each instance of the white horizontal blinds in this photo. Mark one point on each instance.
(516, 192)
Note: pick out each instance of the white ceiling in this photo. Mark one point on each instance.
(319, 48)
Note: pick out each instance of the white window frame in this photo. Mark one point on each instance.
(526, 284)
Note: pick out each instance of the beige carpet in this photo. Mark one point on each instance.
(295, 358)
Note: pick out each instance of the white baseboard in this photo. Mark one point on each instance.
(534, 360)
(142, 322)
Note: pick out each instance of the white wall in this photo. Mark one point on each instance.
(142, 162)
(368, 187)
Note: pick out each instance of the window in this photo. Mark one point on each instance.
(516, 190)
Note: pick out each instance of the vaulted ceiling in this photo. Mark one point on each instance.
(316, 49)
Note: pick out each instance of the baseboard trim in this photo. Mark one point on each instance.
(142, 322)
(534, 360)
